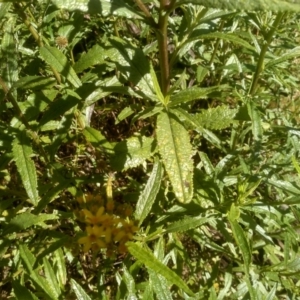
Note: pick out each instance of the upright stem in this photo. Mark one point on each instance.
(162, 38)
(260, 63)
(22, 118)
(36, 36)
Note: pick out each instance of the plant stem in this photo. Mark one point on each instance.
(260, 63)
(22, 118)
(36, 36)
(162, 38)
(145, 10)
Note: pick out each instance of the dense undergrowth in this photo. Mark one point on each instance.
(149, 149)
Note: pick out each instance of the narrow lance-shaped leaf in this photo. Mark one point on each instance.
(176, 151)
(150, 261)
(22, 151)
(134, 66)
(240, 236)
(79, 291)
(256, 121)
(149, 193)
(9, 59)
(58, 61)
(187, 223)
(266, 5)
(193, 93)
(215, 118)
(105, 7)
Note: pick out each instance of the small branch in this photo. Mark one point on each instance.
(145, 10)
(263, 51)
(162, 38)
(36, 36)
(22, 118)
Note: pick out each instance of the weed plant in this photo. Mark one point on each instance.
(149, 149)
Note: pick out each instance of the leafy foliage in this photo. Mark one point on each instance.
(149, 149)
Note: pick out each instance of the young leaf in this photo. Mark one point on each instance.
(58, 61)
(96, 138)
(79, 291)
(130, 283)
(9, 56)
(103, 7)
(134, 66)
(4, 7)
(187, 223)
(34, 82)
(176, 151)
(25, 220)
(126, 112)
(150, 261)
(22, 151)
(292, 54)
(241, 241)
(160, 286)
(22, 292)
(156, 86)
(148, 195)
(93, 57)
(132, 152)
(265, 5)
(29, 260)
(216, 118)
(256, 121)
(193, 93)
(50, 277)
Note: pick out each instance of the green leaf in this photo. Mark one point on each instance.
(51, 278)
(22, 151)
(148, 293)
(29, 260)
(94, 56)
(132, 152)
(134, 66)
(241, 241)
(96, 138)
(26, 220)
(156, 86)
(256, 121)
(176, 152)
(187, 223)
(4, 7)
(160, 286)
(58, 61)
(22, 292)
(266, 5)
(193, 93)
(126, 112)
(148, 195)
(9, 59)
(79, 291)
(230, 37)
(208, 166)
(291, 54)
(215, 118)
(60, 264)
(104, 7)
(226, 288)
(34, 82)
(130, 283)
(53, 248)
(150, 261)
(284, 185)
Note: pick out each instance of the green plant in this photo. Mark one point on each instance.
(194, 107)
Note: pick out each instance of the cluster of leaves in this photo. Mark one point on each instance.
(193, 104)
